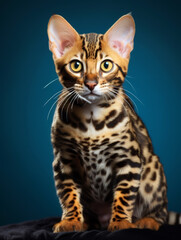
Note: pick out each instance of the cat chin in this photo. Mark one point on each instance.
(91, 98)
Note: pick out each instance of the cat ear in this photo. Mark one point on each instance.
(120, 36)
(61, 35)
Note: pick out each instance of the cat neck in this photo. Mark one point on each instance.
(85, 119)
(99, 109)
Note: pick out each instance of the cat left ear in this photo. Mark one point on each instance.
(120, 36)
(61, 35)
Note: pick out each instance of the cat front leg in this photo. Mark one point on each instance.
(68, 192)
(125, 192)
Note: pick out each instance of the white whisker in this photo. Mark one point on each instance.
(105, 96)
(74, 99)
(115, 94)
(50, 82)
(133, 95)
(129, 76)
(109, 96)
(128, 97)
(57, 93)
(130, 85)
(69, 104)
(119, 94)
(67, 99)
(132, 101)
(84, 99)
(51, 108)
(63, 95)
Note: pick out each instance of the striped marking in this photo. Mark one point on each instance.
(91, 44)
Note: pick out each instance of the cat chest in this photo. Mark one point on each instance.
(98, 168)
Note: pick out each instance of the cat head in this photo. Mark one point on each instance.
(92, 65)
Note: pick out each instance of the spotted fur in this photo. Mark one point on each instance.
(105, 169)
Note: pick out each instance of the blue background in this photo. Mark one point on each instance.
(26, 181)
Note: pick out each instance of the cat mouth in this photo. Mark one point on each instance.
(92, 96)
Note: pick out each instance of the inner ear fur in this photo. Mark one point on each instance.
(62, 36)
(121, 35)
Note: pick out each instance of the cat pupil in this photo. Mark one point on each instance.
(76, 65)
(106, 65)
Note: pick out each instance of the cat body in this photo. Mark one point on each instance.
(106, 173)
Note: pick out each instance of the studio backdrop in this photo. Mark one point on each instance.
(26, 68)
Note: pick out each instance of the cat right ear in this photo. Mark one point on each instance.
(62, 36)
(121, 35)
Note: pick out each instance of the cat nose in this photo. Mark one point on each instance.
(90, 84)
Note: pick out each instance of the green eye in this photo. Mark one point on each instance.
(76, 66)
(106, 66)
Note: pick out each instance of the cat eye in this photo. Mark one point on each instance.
(76, 66)
(106, 66)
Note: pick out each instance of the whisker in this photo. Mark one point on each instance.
(119, 94)
(50, 83)
(63, 95)
(109, 96)
(76, 96)
(57, 93)
(129, 76)
(130, 105)
(130, 84)
(130, 98)
(121, 98)
(133, 95)
(69, 104)
(132, 101)
(105, 96)
(84, 99)
(67, 99)
(107, 87)
(51, 108)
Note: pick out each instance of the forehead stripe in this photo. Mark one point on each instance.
(83, 46)
(91, 44)
(100, 47)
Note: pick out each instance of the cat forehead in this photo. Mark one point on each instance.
(91, 44)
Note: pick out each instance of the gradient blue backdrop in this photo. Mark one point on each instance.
(26, 183)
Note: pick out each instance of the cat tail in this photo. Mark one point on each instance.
(174, 218)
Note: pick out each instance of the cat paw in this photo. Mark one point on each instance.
(149, 223)
(69, 226)
(124, 224)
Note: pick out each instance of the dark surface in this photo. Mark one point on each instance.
(42, 229)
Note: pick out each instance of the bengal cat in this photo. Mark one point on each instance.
(106, 173)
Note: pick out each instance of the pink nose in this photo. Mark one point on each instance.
(90, 84)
